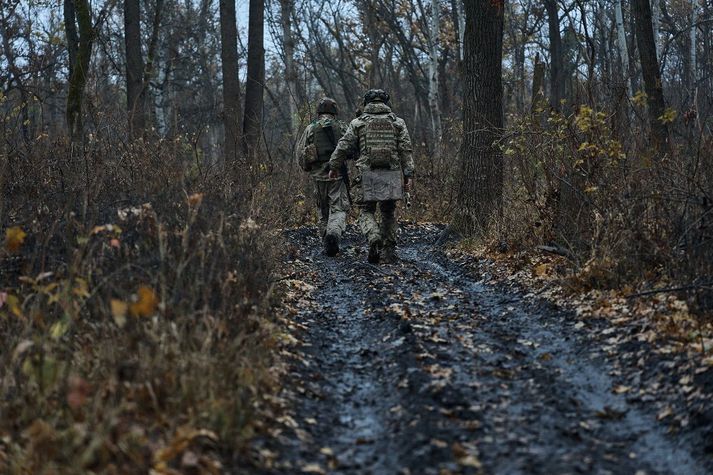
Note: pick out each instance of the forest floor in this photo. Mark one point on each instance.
(433, 366)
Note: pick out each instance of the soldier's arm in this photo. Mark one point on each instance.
(405, 149)
(345, 148)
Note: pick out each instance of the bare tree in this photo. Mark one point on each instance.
(80, 39)
(252, 122)
(288, 52)
(135, 92)
(556, 59)
(231, 84)
(433, 92)
(621, 43)
(641, 9)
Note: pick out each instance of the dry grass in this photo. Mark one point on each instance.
(136, 293)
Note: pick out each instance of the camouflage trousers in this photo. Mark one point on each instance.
(332, 206)
(375, 230)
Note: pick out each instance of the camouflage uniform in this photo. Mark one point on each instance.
(353, 143)
(331, 195)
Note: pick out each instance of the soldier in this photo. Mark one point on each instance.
(313, 152)
(384, 170)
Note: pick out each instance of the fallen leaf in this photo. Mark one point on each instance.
(664, 413)
(313, 468)
(621, 389)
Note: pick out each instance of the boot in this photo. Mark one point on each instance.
(389, 256)
(374, 249)
(331, 245)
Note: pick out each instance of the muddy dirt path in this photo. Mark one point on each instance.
(422, 368)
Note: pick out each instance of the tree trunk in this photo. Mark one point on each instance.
(641, 9)
(623, 49)
(656, 24)
(231, 84)
(135, 95)
(538, 82)
(150, 58)
(693, 40)
(433, 92)
(16, 76)
(79, 45)
(288, 49)
(252, 121)
(479, 197)
(456, 14)
(556, 60)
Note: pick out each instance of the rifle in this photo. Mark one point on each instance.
(344, 170)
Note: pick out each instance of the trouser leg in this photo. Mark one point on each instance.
(367, 222)
(389, 226)
(321, 194)
(338, 208)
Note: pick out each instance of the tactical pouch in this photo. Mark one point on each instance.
(382, 185)
(311, 157)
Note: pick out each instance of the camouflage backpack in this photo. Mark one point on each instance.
(379, 138)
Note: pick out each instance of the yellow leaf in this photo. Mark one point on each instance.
(118, 311)
(14, 237)
(13, 303)
(81, 288)
(146, 303)
(58, 329)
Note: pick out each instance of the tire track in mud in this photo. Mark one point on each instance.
(421, 368)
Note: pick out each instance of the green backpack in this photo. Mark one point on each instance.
(326, 136)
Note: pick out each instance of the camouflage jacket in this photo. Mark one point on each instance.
(352, 141)
(306, 147)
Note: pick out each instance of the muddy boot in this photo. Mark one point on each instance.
(389, 256)
(374, 249)
(331, 245)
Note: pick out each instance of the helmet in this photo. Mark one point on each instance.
(376, 95)
(327, 106)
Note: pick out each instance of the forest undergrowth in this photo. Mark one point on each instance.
(134, 308)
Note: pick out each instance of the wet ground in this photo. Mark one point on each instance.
(421, 367)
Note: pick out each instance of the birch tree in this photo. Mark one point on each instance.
(433, 86)
(623, 48)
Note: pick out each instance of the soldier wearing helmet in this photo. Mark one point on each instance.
(384, 170)
(313, 152)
